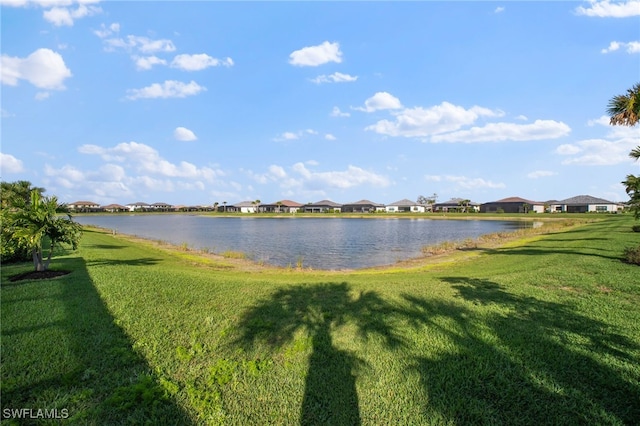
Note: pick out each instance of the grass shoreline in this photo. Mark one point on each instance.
(540, 329)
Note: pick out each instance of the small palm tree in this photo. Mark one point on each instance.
(625, 109)
(31, 223)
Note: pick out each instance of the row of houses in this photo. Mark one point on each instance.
(578, 204)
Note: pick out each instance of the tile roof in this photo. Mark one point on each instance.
(516, 200)
(585, 199)
(404, 202)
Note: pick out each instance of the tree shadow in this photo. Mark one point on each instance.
(524, 361)
(62, 350)
(330, 395)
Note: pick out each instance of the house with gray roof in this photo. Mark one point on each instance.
(245, 207)
(585, 204)
(282, 206)
(362, 206)
(405, 205)
(322, 206)
(512, 205)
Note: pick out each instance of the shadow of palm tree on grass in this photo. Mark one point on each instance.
(525, 361)
(62, 350)
(330, 395)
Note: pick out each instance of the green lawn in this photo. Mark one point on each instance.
(545, 330)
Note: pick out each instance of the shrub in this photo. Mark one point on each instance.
(632, 255)
(636, 228)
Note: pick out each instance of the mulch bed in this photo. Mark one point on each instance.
(38, 275)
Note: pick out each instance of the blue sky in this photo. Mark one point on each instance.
(201, 102)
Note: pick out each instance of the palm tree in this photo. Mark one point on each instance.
(225, 206)
(33, 222)
(625, 109)
(257, 204)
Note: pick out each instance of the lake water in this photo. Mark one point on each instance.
(319, 243)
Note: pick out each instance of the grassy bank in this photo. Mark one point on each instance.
(543, 330)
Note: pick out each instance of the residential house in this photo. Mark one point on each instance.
(114, 208)
(323, 206)
(512, 205)
(405, 205)
(84, 206)
(456, 205)
(162, 207)
(138, 206)
(245, 207)
(362, 206)
(283, 206)
(585, 204)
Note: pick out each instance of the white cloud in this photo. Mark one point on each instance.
(141, 44)
(611, 150)
(302, 178)
(336, 77)
(499, 9)
(329, 137)
(540, 173)
(10, 164)
(421, 122)
(65, 16)
(145, 159)
(105, 31)
(168, 89)
(147, 62)
(198, 62)
(608, 9)
(349, 178)
(465, 182)
(380, 101)
(631, 47)
(44, 68)
(313, 56)
(496, 132)
(41, 96)
(335, 112)
(290, 136)
(184, 134)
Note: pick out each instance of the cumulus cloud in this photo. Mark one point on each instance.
(336, 77)
(184, 134)
(312, 56)
(145, 159)
(106, 31)
(540, 173)
(496, 132)
(10, 164)
(421, 122)
(59, 12)
(380, 101)
(609, 9)
(147, 62)
(168, 89)
(335, 112)
(499, 9)
(65, 16)
(631, 47)
(465, 182)
(301, 177)
(198, 62)
(613, 149)
(329, 137)
(44, 68)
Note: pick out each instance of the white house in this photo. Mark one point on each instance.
(584, 204)
(405, 205)
(246, 206)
